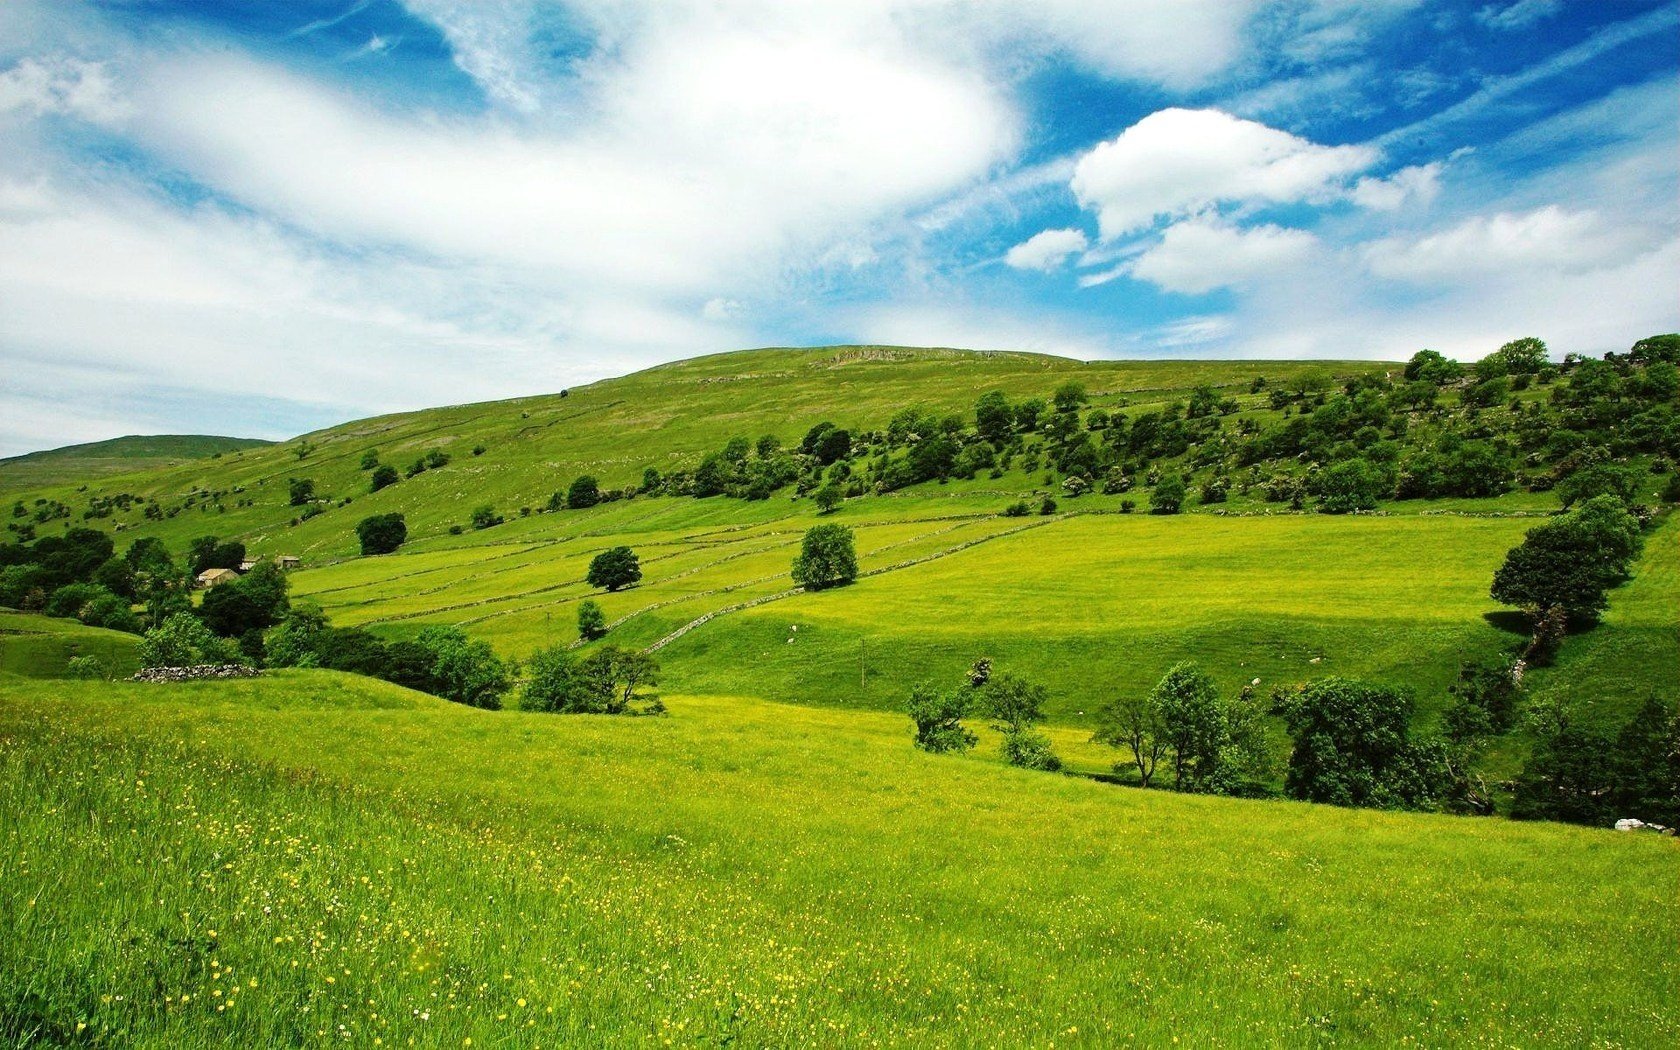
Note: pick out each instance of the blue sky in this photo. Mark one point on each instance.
(260, 217)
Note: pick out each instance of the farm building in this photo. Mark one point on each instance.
(211, 577)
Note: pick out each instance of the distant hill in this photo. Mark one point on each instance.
(75, 464)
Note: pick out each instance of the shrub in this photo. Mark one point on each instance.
(1030, 749)
(466, 672)
(370, 459)
(485, 517)
(1353, 484)
(1047, 505)
(606, 681)
(86, 668)
(614, 568)
(827, 558)
(1353, 746)
(382, 533)
(384, 477)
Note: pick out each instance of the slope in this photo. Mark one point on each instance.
(80, 464)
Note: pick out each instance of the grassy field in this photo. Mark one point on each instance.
(311, 857)
(96, 460)
(42, 647)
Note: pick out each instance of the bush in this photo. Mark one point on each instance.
(382, 533)
(1030, 749)
(1353, 484)
(466, 672)
(300, 490)
(1047, 505)
(615, 568)
(1353, 747)
(384, 477)
(827, 558)
(591, 621)
(828, 497)
(184, 641)
(605, 682)
(86, 668)
(938, 719)
(485, 517)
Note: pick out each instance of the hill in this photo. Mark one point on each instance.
(79, 464)
(312, 855)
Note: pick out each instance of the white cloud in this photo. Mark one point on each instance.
(1549, 238)
(1419, 183)
(1046, 251)
(1519, 15)
(719, 309)
(60, 85)
(1176, 162)
(1200, 255)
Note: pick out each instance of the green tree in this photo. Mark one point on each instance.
(1069, 396)
(827, 558)
(938, 719)
(1599, 479)
(1353, 747)
(254, 602)
(1519, 357)
(1016, 706)
(1350, 485)
(370, 459)
(591, 621)
(1135, 723)
(466, 672)
(614, 569)
(184, 641)
(829, 497)
(383, 477)
(1167, 496)
(1430, 367)
(1193, 720)
(485, 517)
(994, 418)
(1570, 561)
(584, 492)
(1647, 765)
(300, 490)
(381, 533)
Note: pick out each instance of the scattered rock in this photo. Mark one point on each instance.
(194, 673)
(1635, 824)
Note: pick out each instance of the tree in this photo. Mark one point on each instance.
(1193, 721)
(1134, 722)
(382, 533)
(1599, 479)
(1569, 773)
(1570, 561)
(1656, 348)
(833, 446)
(370, 459)
(485, 517)
(606, 681)
(1350, 485)
(207, 552)
(615, 568)
(1069, 396)
(1519, 357)
(591, 622)
(184, 641)
(1167, 496)
(994, 418)
(1016, 706)
(466, 672)
(1430, 367)
(827, 558)
(253, 602)
(938, 719)
(383, 477)
(1647, 765)
(1353, 746)
(829, 497)
(301, 490)
(584, 492)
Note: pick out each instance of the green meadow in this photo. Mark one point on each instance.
(312, 857)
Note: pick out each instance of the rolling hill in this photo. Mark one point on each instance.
(95, 460)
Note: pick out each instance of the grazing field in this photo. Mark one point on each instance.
(42, 647)
(97, 460)
(316, 857)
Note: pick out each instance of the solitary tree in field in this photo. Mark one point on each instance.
(1135, 723)
(592, 623)
(615, 568)
(585, 492)
(938, 717)
(827, 558)
(828, 497)
(1570, 561)
(382, 533)
(1016, 706)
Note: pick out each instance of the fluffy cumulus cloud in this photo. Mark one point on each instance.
(1176, 162)
(1417, 184)
(1047, 250)
(1200, 255)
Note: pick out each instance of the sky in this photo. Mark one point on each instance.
(257, 218)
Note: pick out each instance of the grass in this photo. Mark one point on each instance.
(364, 863)
(42, 647)
(97, 460)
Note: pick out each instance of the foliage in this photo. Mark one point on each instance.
(485, 517)
(383, 477)
(829, 497)
(827, 558)
(1167, 496)
(1135, 722)
(607, 681)
(300, 491)
(1571, 561)
(1193, 721)
(1353, 747)
(466, 672)
(937, 715)
(381, 533)
(184, 641)
(614, 569)
(255, 601)
(591, 621)
(585, 491)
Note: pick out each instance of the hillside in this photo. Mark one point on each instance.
(95, 460)
(313, 855)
